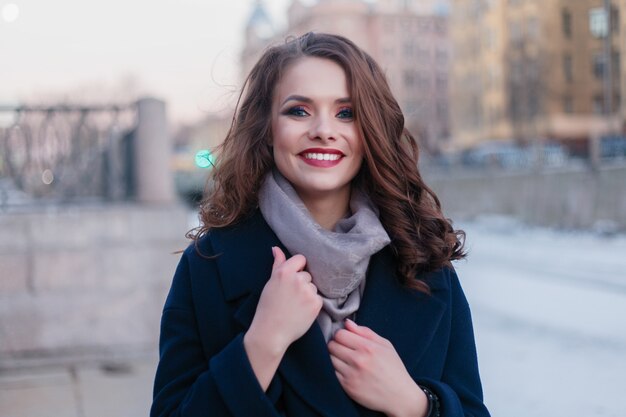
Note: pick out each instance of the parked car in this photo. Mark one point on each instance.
(613, 146)
(496, 155)
(507, 155)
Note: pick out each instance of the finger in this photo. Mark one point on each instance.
(350, 339)
(340, 351)
(364, 331)
(305, 276)
(296, 263)
(340, 366)
(341, 378)
(279, 257)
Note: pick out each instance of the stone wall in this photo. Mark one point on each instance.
(80, 281)
(576, 198)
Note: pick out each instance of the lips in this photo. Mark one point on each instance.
(321, 157)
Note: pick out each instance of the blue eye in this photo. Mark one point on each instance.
(297, 111)
(345, 113)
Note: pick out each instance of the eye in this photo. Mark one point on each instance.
(345, 113)
(298, 111)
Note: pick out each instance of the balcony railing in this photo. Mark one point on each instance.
(65, 153)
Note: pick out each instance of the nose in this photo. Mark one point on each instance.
(322, 127)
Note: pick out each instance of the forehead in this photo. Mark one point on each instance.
(313, 77)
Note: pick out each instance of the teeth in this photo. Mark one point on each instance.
(322, 156)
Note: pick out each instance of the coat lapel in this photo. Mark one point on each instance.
(407, 318)
(244, 267)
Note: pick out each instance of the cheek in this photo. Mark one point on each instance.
(281, 135)
(358, 146)
(281, 149)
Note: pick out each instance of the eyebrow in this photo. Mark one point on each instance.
(295, 97)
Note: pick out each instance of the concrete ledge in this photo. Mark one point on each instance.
(85, 279)
(573, 199)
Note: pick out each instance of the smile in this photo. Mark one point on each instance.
(322, 156)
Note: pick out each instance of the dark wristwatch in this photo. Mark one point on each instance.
(433, 402)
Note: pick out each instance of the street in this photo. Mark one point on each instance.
(549, 311)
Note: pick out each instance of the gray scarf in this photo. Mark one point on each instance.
(337, 260)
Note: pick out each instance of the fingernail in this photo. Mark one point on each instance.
(274, 251)
(351, 321)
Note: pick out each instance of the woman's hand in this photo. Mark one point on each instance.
(288, 306)
(372, 374)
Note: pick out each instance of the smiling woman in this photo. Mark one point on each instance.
(320, 281)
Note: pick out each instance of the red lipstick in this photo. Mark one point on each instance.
(321, 157)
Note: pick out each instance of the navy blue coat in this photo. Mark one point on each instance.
(203, 368)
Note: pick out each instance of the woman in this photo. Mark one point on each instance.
(320, 282)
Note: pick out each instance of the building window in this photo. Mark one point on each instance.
(598, 65)
(515, 31)
(567, 68)
(424, 25)
(440, 26)
(566, 19)
(442, 57)
(423, 110)
(442, 111)
(598, 104)
(423, 79)
(532, 27)
(405, 24)
(442, 83)
(568, 105)
(598, 22)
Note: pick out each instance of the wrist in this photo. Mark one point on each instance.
(412, 404)
(264, 357)
(263, 343)
(433, 402)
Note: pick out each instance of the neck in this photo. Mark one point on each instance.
(328, 210)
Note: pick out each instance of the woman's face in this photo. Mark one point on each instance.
(315, 140)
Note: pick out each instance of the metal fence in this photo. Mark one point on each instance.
(65, 153)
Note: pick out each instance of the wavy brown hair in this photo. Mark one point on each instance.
(422, 239)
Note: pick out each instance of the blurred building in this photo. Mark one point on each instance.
(408, 38)
(534, 70)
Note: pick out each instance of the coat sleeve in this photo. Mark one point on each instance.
(187, 383)
(459, 390)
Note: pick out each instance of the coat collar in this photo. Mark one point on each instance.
(407, 318)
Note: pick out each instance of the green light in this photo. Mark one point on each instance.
(204, 158)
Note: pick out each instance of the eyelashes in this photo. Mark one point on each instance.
(344, 113)
(296, 111)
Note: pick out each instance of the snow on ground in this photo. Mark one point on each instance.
(549, 313)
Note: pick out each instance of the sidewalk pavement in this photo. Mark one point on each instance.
(103, 389)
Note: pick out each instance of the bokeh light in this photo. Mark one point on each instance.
(10, 12)
(47, 177)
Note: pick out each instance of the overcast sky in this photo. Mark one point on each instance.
(185, 51)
